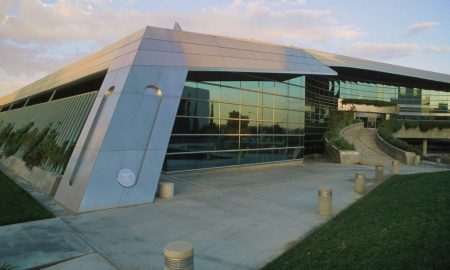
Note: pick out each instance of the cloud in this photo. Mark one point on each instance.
(385, 51)
(5, 7)
(37, 37)
(381, 51)
(293, 2)
(437, 49)
(420, 27)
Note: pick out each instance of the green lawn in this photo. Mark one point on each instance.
(16, 205)
(402, 224)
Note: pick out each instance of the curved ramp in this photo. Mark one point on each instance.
(364, 141)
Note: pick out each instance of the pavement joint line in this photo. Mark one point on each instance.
(187, 182)
(47, 265)
(87, 242)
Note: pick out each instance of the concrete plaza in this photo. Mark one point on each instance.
(237, 218)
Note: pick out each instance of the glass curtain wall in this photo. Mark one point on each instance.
(320, 101)
(239, 119)
(414, 103)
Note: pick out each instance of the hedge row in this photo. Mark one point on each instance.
(389, 127)
(426, 125)
(378, 103)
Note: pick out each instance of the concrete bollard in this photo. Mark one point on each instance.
(166, 190)
(324, 207)
(360, 183)
(179, 255)
(417, 160)
(379, 173)
(395, 167)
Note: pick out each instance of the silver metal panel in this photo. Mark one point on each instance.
(131, 125)
(198, 49)
(156, 58)
(159, 33)
(144, 191)
(187, 37)
(204, 61)
(233, 43)
(120, 130)
(160, 45)
(351, 62)
(122, 61)
(103, 190)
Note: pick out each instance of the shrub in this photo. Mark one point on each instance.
(60, 155)
(5, 133)
(342, 144)
(427, 125)
(14, 140)
(39, 147)
(390, 126)
(410, 124)
(378, 103)
(424, 125)
(34, 153)
(338, 120)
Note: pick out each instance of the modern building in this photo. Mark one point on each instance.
(165, 100)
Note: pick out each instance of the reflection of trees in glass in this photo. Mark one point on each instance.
(210, 128)
(277, 129)
(232, 126)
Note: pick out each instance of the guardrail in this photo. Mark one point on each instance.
(408, 158)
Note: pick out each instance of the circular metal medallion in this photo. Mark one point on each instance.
(126, 177)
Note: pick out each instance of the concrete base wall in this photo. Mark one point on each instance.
(396, 153)
(45, 181)
(343, 157)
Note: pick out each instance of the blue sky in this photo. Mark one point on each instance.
(39, 36)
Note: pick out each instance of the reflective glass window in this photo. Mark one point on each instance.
(221, 123)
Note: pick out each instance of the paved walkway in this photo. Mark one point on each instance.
(237, 218)
(364, 141)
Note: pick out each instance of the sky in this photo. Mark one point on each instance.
(37, 37)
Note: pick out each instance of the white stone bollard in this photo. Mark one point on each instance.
(179, 255)
(395, 167)
(166, 190)
(360, 183)
(417, 160)
(324, 206)
(379, 173)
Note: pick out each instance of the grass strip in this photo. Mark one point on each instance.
(17, 206)
(403, 224)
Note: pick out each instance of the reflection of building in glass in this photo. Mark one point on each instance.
(219, 102)
(374, 102)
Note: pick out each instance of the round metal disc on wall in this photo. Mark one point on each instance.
(126, 178)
